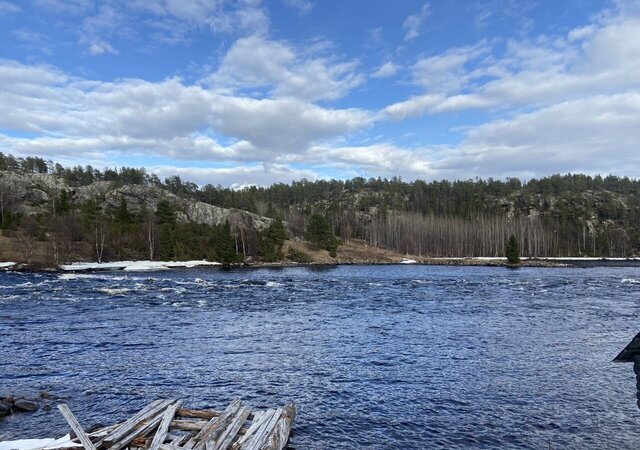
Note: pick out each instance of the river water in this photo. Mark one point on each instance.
(375, 357)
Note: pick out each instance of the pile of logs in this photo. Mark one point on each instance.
(165, 425)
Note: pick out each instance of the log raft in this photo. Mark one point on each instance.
(166, 425)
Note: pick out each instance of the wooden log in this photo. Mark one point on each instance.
(179, 441)
(255, 426)
(280, 434)
(170, 447)
(171, 436)
(188, 425)
(261, 436)
(130, 424)
(76, 427)
(144, 428)
(197, 413)
(163, 429)
(210, 431)
(139, 432)
(229, 434)
(205, 413)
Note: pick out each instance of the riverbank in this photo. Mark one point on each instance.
(349, 253)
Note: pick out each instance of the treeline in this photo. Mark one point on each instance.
(560, 215)
(75, 232)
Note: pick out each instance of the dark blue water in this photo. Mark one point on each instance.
(375, 357)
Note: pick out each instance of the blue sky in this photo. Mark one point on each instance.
(256, 92)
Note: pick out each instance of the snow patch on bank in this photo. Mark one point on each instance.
(408, 261)
(137, 266)
(7, 265)
(45, 444)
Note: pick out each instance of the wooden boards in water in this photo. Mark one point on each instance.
(165, 425)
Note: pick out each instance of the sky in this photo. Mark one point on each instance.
(266, 91)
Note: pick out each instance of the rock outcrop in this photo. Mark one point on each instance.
(34, 194)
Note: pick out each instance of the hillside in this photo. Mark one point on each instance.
(52, 214)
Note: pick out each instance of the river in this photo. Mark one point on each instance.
(375, 357)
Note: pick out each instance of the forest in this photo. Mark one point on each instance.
(559, 215)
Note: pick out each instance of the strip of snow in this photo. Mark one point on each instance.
(7, 265)
(25, 444)
(137, 266)
(32, 444)
(408, 261)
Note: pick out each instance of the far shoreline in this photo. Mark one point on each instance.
(118, 266)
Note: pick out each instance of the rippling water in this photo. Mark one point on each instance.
(375, 356)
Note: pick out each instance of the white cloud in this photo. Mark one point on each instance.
(557, 103)
(7, 8)
(386, 70)
(378, 159)
(600, 58)
(256, 62)
(413, 24)
(100, 24)
(165, 118)
(73, 7)
(101, 47)
(303, 6)
(448, 72)
(598, 134)
(239, 176)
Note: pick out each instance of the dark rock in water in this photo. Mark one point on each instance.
(46, 395)
(25, 405)
(5, 409)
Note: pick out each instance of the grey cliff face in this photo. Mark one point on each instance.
(35, 193)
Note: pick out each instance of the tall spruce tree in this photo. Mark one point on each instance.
(165, 218)
(320, 234)
(122, 216)
(512, 251)
(225, 246)
(271, 240)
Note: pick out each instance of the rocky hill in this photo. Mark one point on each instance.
(560, 215)
(34, 194)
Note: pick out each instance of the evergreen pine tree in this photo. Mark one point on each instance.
(271, 240)
(165, 213)
(64, 205)
(123, 216)
(512, 251)
(320, 234)
(165, 218)
(225, 246)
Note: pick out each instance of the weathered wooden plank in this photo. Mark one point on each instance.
(212, 429)
(205, 413)
(228, 435)
(163, 429)
(134, 421)
(261, 436)
(280, 434)
(180, 440)
(170, 447)
(172, 436)
(139, 432)
(197, 413)
(255, 426)
(188, 425)
(143, 429)
(76, 427)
